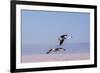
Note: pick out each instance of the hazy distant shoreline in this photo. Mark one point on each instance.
(55, 57)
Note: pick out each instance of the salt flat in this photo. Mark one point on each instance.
(54, 57)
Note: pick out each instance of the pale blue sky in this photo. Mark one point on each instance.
(44, 27)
